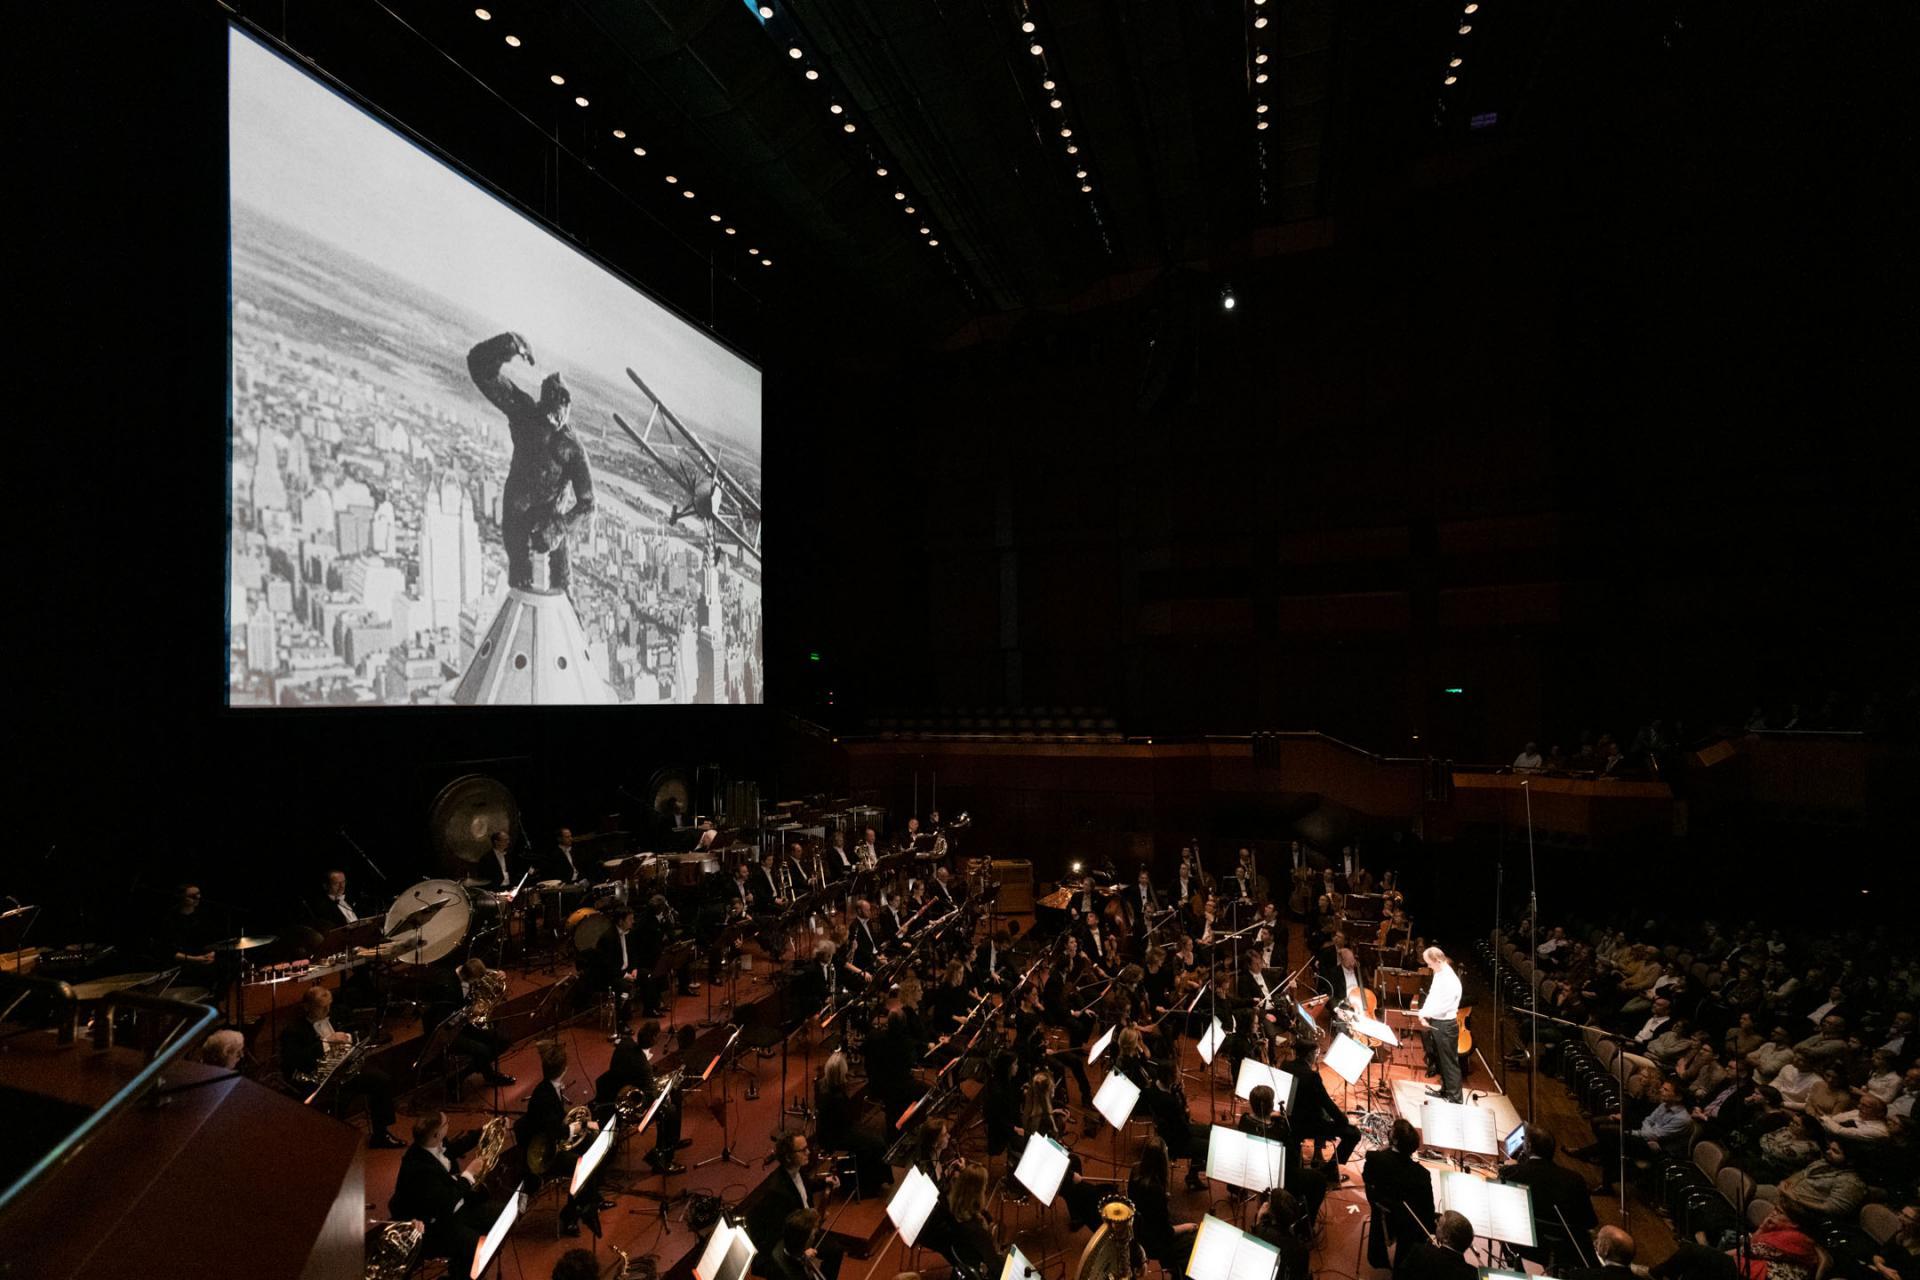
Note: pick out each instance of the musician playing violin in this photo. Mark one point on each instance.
(792, 1188)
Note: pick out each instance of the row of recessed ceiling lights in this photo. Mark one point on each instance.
(1455, 61)
(673, 180)
(838, 109)
(1050, 85)
(1259, 73)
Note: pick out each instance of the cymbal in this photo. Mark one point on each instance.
(244, 942)
(464, 816)
(101, 987)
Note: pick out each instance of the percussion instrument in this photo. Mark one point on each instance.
(547, 886)
(243, 943)
(588, 926)
(691, 869)
(442, 932)
(463, 818)
(100, 988)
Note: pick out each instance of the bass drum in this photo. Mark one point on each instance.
(588, 926)
(442, 934)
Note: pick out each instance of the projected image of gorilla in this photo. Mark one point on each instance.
(423, 511)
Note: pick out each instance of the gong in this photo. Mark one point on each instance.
(464, 816)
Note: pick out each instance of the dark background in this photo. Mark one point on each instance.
(1596, 423)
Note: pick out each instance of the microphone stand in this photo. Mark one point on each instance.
(1533, 947)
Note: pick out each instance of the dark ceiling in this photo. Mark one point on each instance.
(946, 95)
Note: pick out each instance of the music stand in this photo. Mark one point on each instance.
(1244, 1160)
(1500, 1211)
(1254, 1073)
(590, 1158)
(1458, 1127)
(496, 1236)
(913, 1204)
(1210, 1041)
(727, 1255)
(1099, 1046)
(1042, 1166)
(1222, 1251)
(726, 1127)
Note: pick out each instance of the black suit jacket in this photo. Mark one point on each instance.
(866, 939)
(606, 954)
(760, 884)
(554, 865)
(546, 1114)
(300, 1048)
(425, 1189)
(1554, 1187)
(1426, 1261)
(326, 912)
(1400, 1193)
(778, 1199)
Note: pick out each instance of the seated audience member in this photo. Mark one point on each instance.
(1898, 1258)
(1667, 1048)
(1778, 1249)
(1828, 1044)
(1771, 1057)
(1883, 1076)
(1530, 760)
(1828, 1190)
(1901, 1041)
(1657, 1019)
(1796, 1081)
(1662, 1134)
(1829, 1094)
(1865, 1123)
(1901, 1108)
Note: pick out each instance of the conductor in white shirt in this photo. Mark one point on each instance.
(1441, 1011)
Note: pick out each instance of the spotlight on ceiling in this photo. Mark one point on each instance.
(1451, 80)
(766, 262)
(732, 231)
(688, 193)
(899, 195)
(1259, 59)
(1035, 49)
(483, 15)
(911, 209)
(1086, 187)
(1454, 62)
(579, 102)
(1066, 133)
(931, 243)
(513, 42)
(1227, 301)
(557, 78)
(766, 11)
(812, 74)
(1048, 85)
(713, 217)
(1072, 150)
(1027, 27)
(1259, 24)
(881, 171)
(1472, 8)
(1466, 28)
(1261, 125)
(639, 151)
(793, 51)
(836, 108)
(671, 180)
(619, 133)
(1055, 103)
(1261, 78)
(847, 127)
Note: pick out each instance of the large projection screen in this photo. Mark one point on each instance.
(468, 464)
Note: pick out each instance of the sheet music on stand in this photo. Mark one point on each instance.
(913, 1203)
(1042, 1165)
(727, 1254)
(1255, 1164)
(1222, 1251)
(1374, 1028)
(1016, 1267)
(1099, 1046)
(590, 1158)
(495, 1237)
(1458, 1127)
(1254, 1073)
(1210, 1041)
(1348, 1058)
(1497, 1210)
(1115, 1099)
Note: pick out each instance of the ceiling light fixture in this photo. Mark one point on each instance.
(639, 151)
(731, 231)
(1086, 186)
(1472, 8)
(1072, 150)
(836, 108)
(671, 180)
(1027, 27)
(753, 253)
(1080, 173)
(1048, 85)
(1066, 133)
(899, 195)
(812, 74)
(1259, 59)
(1035, 49)
(881, 171)
(1261, 78)
(513, 42)
(688, 193)
(931, 243)
(1453, 62)
(713, 217)
(1466, 28)
(483, 15)
(1261, 109)
(1450, 80)
(619, 133)
(766, 262)
(926, 231)
(766, 11)
(793, 51)
(579, 102)
(911, 209)
(847, 127)
(1054, 103)
(1227, 300)
(557, 78)
(1259, 23)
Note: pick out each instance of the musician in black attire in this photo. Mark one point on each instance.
(184, 937)
(795, 1258)
(944, 892)
(430, 1190)
(615, 964)
(545, 1122)
(1153, 1224)
(843, 1122)
(303, 1047)
(892, 1050)
(1316, 1117)
(498, 870)
(764, 883)
(818, 984)
(863, 941)
(1399, 1195)
(1264, 1120)
(837, 862)
(1142, 902)
(1444, 1258)
(1559, 1196)
(334, 907)
(1284, 1224)
(449, 992)
(631, 1067)
(789, 1189)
